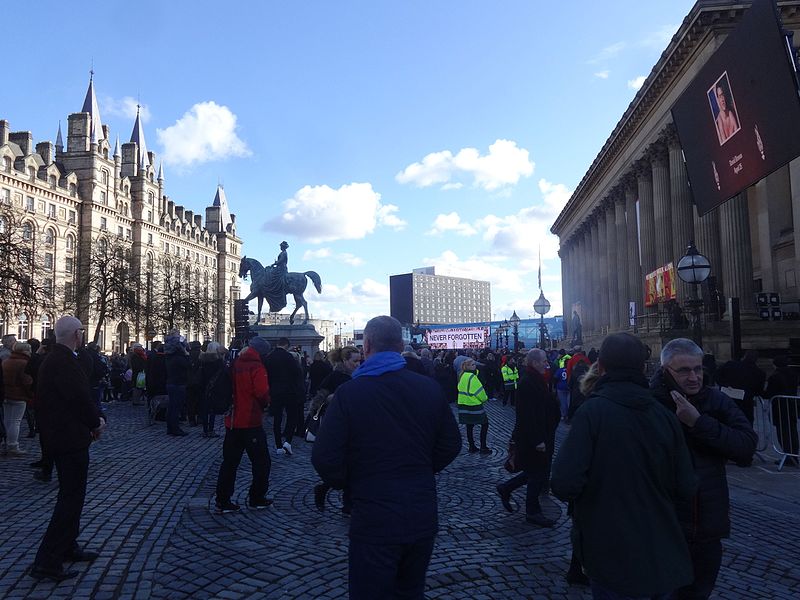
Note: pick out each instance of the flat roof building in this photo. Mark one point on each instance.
(426, 298)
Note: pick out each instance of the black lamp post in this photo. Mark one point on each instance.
(498, 331)
(694, 268)
(542, 307)
(514, 321)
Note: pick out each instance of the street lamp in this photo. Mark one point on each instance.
(694, 268)
(513, 322)
(542, 307)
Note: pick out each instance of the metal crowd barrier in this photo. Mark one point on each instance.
(783, 414)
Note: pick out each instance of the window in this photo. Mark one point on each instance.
(49, 237)
(120, 231)
(27, 232)
(73, 189)
(103, 198)
(103, 224)
(5, 196)
(68, 265)
(69, 292)
(72, 217)
(2, 225)
(129, 235)
(52, 181)
(51, 211)
(23, 332)
(46, 326)
(150, 216)
(7, 162)
(70, 243)
(48, 260)
(151, 197)
(32, 173)
(47, 284)
(149, 239)
(30, 204)
(104, 176)
(166, 247)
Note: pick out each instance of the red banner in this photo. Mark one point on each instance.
(660, 285)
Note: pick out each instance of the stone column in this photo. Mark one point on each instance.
(737, 260)
(612, 266)
(635, 283)
(682, 208)
(601, 290)
(593, 297)
(566, 284)
(662, 210)
(578, 268)
(644, 180)
(622, 259)
(706, 235)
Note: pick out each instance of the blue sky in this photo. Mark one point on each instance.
(444, 132)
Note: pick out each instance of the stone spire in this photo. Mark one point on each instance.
(59, 139)
(224, 213)
(116, 149)
(90, 106)
(138, 136)
(161, 171)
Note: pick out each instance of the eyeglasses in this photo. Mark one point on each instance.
(686, 371)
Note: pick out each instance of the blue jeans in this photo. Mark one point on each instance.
(535, 480)
(602, 593)
(177, 396)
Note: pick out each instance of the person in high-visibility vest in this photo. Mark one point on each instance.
(471, 400)
(510, 377)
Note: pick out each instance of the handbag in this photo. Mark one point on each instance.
(313, 423)
(511, 464)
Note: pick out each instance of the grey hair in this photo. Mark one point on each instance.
(385, 334)
(679, 346)
(535, 352)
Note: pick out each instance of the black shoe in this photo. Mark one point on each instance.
(43, 477)
(226, 507)
(36, 465)
(179, 432)
(346, 511)
(540, 520)
(320, 491)
(505, 497)
(576, 578)
(81, 556)
(485, 450)
(473, 449)
(260, 503)
(56, 575)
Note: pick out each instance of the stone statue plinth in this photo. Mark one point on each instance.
(304, 336)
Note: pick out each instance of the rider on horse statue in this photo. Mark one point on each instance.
(275, 281)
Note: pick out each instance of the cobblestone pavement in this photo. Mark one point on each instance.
(147, 513)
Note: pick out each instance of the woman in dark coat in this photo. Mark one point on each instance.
(538, 414)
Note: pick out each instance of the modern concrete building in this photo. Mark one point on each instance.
(632, 212)
(73, 198)
(426, 298)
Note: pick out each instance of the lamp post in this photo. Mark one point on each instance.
(694, 268)
(542, 307)
(514, 320)
(498, 331)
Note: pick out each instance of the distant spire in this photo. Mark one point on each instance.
(90, 106)
(59, 138)
(116, 149)
(224, 213)
(161, 171)
(138, 136)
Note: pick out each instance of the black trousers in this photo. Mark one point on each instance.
(706, 560)
(61, 536)
(393, 571)
(279, 405)
(237, 441)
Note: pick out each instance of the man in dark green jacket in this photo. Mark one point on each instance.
(623, 464)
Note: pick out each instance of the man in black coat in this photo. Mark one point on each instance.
(716, 431)
(68, 421)
(287, 388)
(534, 435)
(385, 435)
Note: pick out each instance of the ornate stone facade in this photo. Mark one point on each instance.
(638, 182)
(73, 198)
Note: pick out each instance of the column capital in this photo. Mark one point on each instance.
(658, 153)
(670, 136)
(643, 169)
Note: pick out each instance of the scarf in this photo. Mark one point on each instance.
(380, 363)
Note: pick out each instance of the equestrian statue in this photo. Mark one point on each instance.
(275, 282)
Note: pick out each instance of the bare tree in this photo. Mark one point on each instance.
(176, 302)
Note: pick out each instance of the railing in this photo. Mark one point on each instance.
(783, 412)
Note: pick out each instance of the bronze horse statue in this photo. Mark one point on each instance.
(295, 285)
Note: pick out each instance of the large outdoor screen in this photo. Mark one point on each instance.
(739, 119)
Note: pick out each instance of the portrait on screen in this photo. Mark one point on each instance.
(723, 109)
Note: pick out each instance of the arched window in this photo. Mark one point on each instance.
(23, 329)
(104, 176)
(103, 244)
(46, 325)
(27, 232)
(73, 189)
(151, 197)
(32, 172)
(49, 237)
(70, 243)
(7, 163)
(52, 180)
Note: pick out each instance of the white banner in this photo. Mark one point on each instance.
(458, 338)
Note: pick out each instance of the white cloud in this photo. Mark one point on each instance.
(602, 74)
(451, 222)
(637, 83)
(504, 164)
(482, 268)
(660, 38)
(206, 132)
(607, 53)
(322, 214)
(125, 107)
(325, 253)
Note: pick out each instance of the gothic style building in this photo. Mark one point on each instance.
(633, 213)
(83, 206)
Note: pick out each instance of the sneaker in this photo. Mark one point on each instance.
(260, 503)
(287, 447)
(280, 452)
(16, 452)
(226, 507)
(505, 497)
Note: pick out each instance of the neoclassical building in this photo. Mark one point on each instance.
(73, 198)
(632, 212)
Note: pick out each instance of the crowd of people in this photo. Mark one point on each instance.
(385, 419)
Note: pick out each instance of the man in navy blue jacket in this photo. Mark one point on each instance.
(385, 435)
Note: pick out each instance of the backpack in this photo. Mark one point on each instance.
(219, 391)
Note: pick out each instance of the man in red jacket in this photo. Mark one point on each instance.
(244, 430)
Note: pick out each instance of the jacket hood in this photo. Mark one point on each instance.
(173, 345)
(608, 387)
(249, 355)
